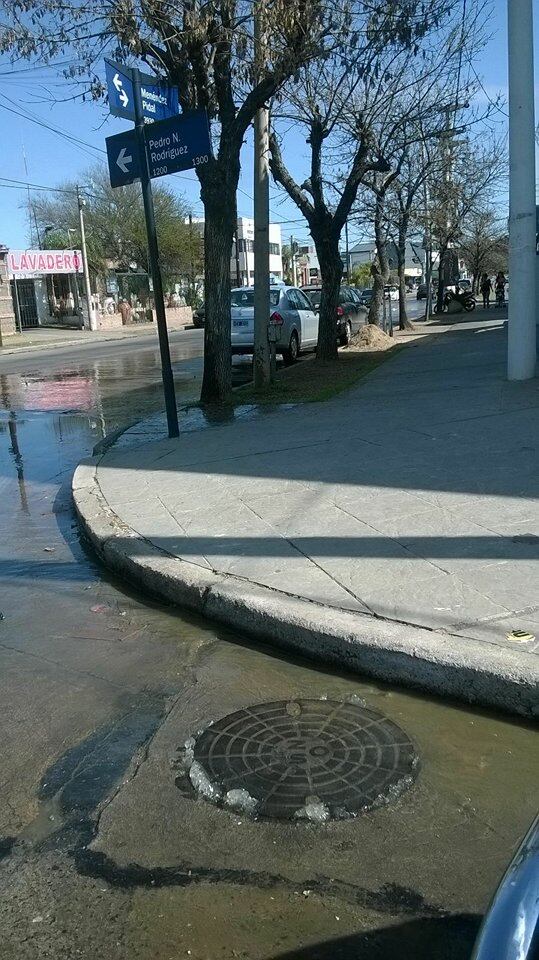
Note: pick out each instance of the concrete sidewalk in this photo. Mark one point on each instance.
(392, 530)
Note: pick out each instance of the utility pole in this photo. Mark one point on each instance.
(521, 345)
(153, 256)
(427, 243)
(92, 319)
(261, 357)
(293, 262)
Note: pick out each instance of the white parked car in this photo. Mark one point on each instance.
(391, 293)
(289, 311)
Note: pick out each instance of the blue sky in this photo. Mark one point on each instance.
(50, 158)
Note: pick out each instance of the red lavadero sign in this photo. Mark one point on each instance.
(34, 263)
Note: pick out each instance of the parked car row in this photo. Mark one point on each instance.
(294, 313)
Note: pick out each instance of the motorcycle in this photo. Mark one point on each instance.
(461, 300)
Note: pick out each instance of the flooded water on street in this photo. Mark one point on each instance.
(93, 675)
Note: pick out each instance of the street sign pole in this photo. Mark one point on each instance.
(153, 253)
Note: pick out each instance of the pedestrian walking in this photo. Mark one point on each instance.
(499, 288)
(486, 289)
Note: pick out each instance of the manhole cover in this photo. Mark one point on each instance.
(316, 759)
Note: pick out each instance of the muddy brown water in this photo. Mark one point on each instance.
(104, 850)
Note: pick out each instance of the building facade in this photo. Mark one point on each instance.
(242, 261)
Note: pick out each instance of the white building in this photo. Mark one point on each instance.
(244, 257)
(307, 265)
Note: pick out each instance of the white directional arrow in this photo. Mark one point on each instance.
(123, 161)
(122, 95)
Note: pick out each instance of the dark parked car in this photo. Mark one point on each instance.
(421, 292)
(351, 314)
(199, 316)
(366, 296)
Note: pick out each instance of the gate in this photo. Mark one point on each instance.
(26, 298)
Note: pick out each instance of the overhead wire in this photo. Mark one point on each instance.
(76, 141)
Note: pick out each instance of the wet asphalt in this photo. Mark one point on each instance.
(104, 850)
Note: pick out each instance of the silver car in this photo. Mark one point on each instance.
(289, 311)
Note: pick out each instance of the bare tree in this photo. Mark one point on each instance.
(408, 196)
(206, 49)
(340, 102)
(472, 173)
(380, 186)
(483, 245)
(413, 135)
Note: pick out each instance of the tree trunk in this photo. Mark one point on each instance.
(404, 322)
(377, 303)
(441, 283)
(218, 193)
(379, 271)
(331, 268)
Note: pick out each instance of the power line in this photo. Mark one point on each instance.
(24, 185)
(82, 144)
(276, 215)
(487, 95)
(36, 69)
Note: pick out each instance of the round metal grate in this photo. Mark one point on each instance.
(306, 758)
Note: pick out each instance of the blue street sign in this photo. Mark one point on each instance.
(120, 90)
(179, 143)
(158, 100)
(123, 157)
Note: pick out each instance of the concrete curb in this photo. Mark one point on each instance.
(434, 661)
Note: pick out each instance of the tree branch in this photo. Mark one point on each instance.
(282, 176)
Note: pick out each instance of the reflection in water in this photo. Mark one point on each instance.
(49, 421)
(17, 456)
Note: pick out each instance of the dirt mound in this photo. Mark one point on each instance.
(371, 337)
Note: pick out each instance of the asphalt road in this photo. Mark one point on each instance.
(186, 345)
(187, 348)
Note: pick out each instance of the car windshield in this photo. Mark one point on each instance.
(246, 298)
(367, 292)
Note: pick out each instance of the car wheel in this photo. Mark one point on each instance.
(290, 356)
